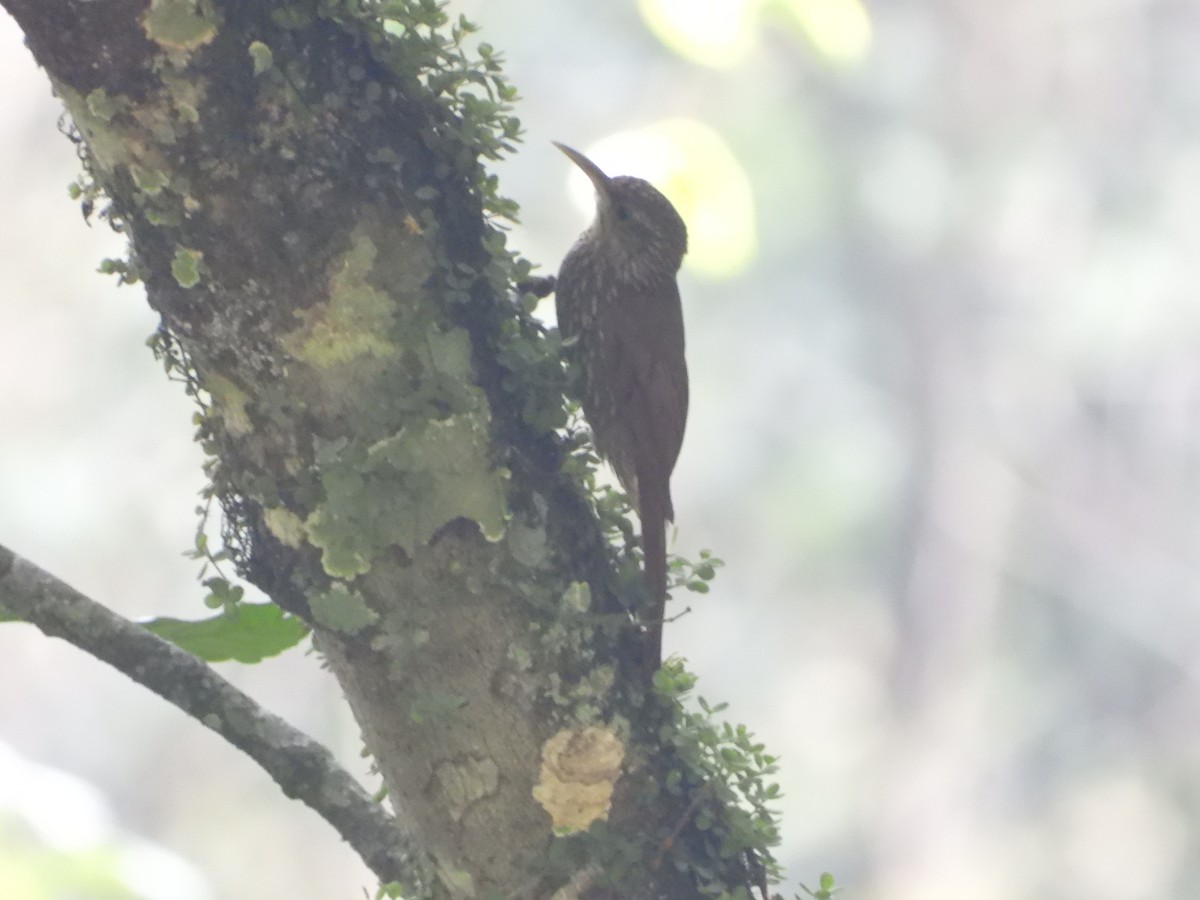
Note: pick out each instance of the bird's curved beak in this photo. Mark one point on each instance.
(590, 169)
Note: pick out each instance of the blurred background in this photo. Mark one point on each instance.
(943, 334)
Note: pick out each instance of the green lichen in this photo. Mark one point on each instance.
(229, 401)
(453, 478)
(185, 267)
(350, 526)
(96, 116)
(430, 706)
(450, 352)
(285, 525)
(166, 218)
(133, 136)
(570, 636)
(149, 181)
(356, 319)
(104, 106)
(180, 24)
(261, 56)
(185, 96)
(404, 489)
(577, 597)
(342, 609)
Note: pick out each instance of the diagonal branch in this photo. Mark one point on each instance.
(302, 767)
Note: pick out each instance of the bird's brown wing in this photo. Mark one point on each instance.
(652, 387)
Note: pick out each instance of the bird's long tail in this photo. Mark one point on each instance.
(655, 512)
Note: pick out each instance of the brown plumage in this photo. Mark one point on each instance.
(617, 297)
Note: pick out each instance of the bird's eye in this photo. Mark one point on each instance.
(622, 213)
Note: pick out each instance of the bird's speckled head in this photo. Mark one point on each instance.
(635, 222)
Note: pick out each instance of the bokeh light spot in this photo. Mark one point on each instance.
(717, 33)
(840, 30)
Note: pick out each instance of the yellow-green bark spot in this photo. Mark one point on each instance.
(148, 181)
(185, 267)
(229, 401)
(577, 597)
(355, 320)
(285, 525)
(184, 97)
(261, 56)
(93, 114)
(180, 24)
(104, 106)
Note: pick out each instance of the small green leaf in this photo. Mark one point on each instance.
(246, 633)
(825, 891)
(221, 593)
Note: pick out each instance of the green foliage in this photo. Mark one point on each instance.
(471, 87)
(695, 576)
(244, 632)
(221, 594)
(124, 270)
(614, 859)
(612, 509)
(535, 377)
(825, 891)
(723, 775)
(88, 191)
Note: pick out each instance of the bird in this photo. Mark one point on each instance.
(619, 312)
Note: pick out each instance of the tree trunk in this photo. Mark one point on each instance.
(303, 192)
